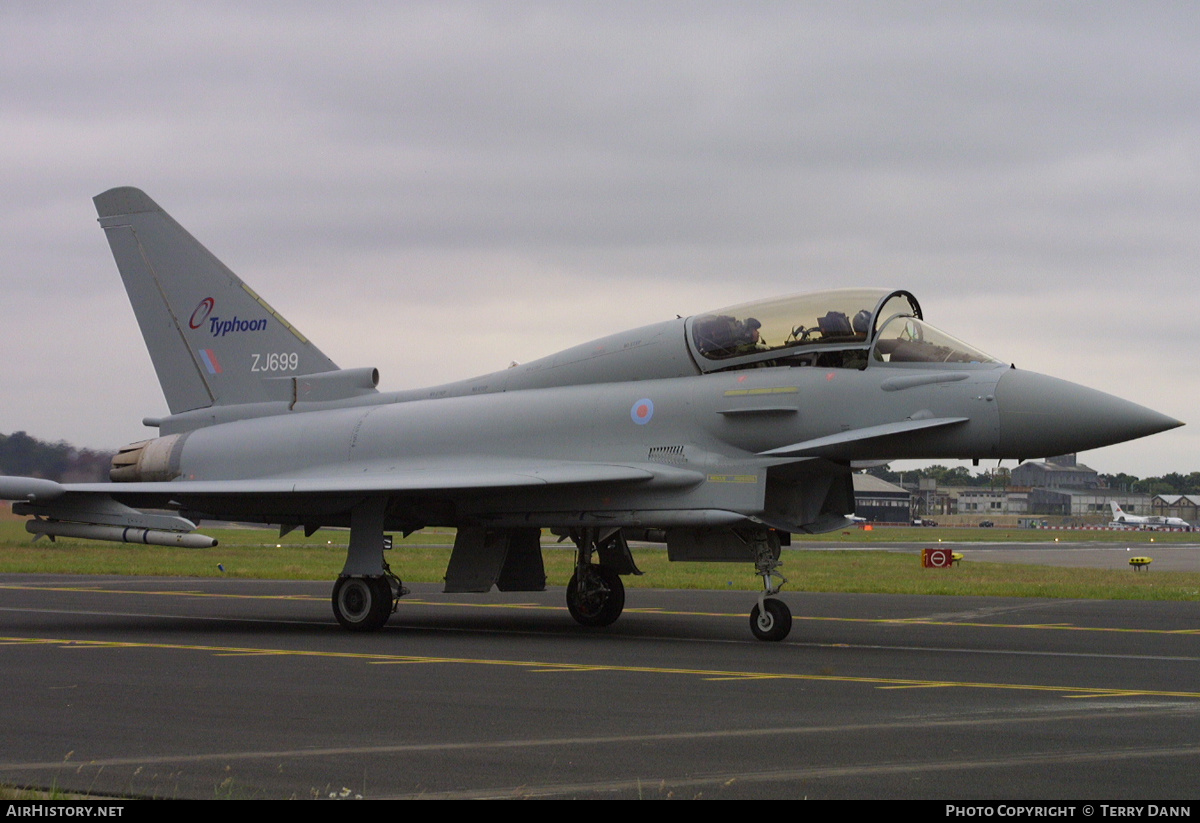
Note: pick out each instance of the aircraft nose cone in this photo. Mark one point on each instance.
(1043, 416)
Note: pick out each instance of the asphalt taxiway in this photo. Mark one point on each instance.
(216, 688)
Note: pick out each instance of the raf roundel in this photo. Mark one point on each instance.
(642, 411)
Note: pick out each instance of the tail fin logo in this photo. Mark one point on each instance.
(203, 310)
(219, 327)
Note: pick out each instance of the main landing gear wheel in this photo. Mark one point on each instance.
(362, 604)
(599, 599)
(773, 621)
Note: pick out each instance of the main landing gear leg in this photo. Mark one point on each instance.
(366, 592)
(595, 595)
(771, 619)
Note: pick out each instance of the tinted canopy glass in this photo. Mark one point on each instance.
(836, 319)
(909, 340)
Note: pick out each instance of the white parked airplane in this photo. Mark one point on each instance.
(1123, 520)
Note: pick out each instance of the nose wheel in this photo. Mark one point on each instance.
(771, 620)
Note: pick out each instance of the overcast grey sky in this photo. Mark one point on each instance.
(437, 189)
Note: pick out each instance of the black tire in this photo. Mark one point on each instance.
(598, 603)
(362, 604)
(773, 623)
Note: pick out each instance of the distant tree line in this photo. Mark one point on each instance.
(1172, 483)
(27, 456)
(958, 476)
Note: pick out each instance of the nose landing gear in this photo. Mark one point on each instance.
(771, 619)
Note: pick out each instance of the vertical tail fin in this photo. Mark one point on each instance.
(212, 339)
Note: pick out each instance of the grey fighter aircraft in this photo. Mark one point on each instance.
(720, 434)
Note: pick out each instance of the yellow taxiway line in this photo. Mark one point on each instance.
(541, 666)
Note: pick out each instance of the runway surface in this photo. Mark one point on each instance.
(214, 688)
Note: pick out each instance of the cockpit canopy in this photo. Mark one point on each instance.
(843, 328)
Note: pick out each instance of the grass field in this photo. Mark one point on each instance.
(930, 536)
(259, 553)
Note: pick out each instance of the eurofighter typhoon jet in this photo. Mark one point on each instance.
(720, 434)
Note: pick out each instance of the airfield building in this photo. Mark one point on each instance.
(1185, 506)
(878, 501)
(1086, 502)
(1059, 486)
(1062, 472)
